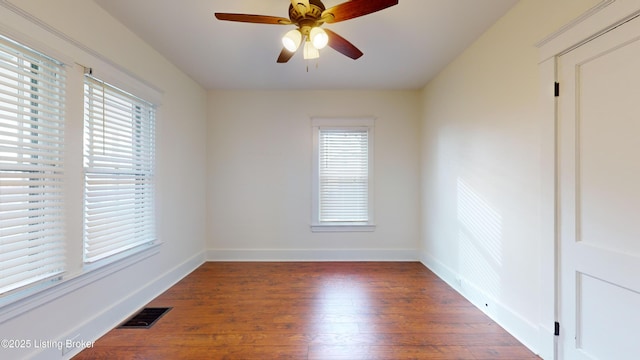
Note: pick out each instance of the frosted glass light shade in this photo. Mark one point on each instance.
(310, 52)
(291, 40)
(319, 38)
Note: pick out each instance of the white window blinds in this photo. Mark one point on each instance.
(119, 160)
(343, 175)
(31, 167)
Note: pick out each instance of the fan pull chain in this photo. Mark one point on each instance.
(317, 64)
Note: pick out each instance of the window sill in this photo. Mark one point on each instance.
(35, 297)
(343, 228)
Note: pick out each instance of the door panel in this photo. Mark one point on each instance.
(608, 125)
(598, 314)
(599, 197)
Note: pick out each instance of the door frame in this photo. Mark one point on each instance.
(604, 16)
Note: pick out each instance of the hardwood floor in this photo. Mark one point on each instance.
(313, 311)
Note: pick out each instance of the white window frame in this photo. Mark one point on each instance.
(119, 171)
(318, 124)
(77, 274)
(32, 158)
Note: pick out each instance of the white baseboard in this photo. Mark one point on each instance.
(95, 327)
(523, 330)
(312, 255)
(547, 342)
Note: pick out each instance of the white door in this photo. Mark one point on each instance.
(599, 197)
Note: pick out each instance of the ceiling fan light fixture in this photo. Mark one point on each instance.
(308, 16)
(292, 39)
(319, 38)
(310, 52)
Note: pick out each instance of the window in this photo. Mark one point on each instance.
(32, 230)
(342, 181)
(73, 198)
(119, 158)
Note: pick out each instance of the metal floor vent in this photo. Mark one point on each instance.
(145, 318)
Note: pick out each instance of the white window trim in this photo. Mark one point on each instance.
(72, 53)
(33, 298)
(32, 237)
(114, 170)
(341, 123)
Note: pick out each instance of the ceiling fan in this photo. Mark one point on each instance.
(308, 16)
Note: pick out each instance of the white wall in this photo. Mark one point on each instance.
(96, 307)
(259, 201)
(481, 169)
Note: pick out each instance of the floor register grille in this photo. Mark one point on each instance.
(145, 318)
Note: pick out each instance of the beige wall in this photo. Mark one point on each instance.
(260, 146)
(481, 167)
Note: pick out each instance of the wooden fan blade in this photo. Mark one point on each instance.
(342, 45)
(355, 8)
(256, 19)
(301, 5)
(285, 55)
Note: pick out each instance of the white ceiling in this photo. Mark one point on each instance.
(404, 46)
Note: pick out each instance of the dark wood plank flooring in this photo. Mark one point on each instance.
(313, 311)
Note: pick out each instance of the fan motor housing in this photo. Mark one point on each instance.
(314, 14)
